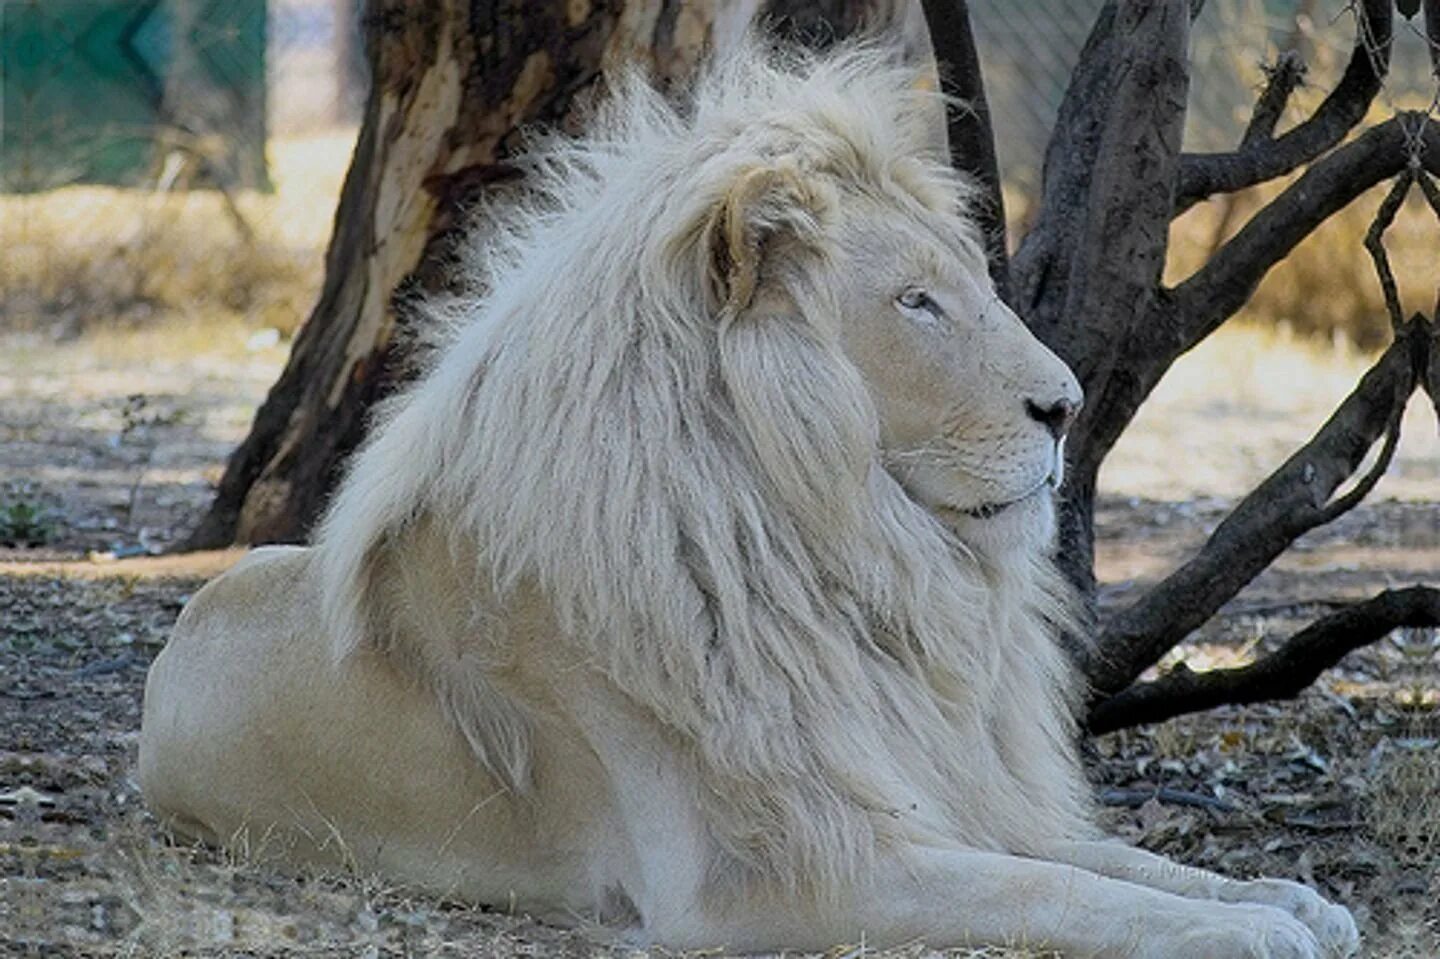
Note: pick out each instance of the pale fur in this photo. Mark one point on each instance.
(711, 517)
(679, 589)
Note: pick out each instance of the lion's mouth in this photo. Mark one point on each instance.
(1052, 480)
(988, 510)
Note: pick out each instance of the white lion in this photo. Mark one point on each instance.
(702, 584)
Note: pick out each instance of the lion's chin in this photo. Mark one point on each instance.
(1012, 529)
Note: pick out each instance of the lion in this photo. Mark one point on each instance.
(704, 583)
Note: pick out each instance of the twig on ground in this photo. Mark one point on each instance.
(1135, 798)
(1281, 675)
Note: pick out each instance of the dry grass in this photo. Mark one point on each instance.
(86, 257)
(1406, 784)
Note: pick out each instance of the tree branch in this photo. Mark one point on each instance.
(1203, 174)
(1089, 270)
(1281, 79)
(1112, 248)
(1375, 243)
(1296, 498)
(971, 135)
(1430, 381)
(1281, 675)
(1181, 317)
(1432, 34)
(1194, 308)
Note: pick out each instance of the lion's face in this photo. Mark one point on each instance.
(973, 408)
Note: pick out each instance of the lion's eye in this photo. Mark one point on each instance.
(916, 299)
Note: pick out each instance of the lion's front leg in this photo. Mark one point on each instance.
(675, 875)
(1332, 925)
(953, 897)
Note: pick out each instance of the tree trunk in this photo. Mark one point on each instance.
(453, 83)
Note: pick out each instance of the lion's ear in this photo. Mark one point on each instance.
(762, 206)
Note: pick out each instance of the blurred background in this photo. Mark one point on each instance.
(184, 156)
(169, 171)
(171, 156)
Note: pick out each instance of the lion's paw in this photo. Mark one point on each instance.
(1245, 931)
(1332, 925)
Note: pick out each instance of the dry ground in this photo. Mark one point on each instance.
(1340, 789)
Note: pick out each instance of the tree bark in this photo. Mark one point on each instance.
(453, 84)
(1088, 273)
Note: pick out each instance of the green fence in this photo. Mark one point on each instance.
(132, 93)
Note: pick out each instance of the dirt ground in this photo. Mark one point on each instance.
(110, 444)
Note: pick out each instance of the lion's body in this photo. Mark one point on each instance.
(703, 583)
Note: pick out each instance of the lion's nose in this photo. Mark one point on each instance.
(1055, 415)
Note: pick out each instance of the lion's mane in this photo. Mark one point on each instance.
(700, 497)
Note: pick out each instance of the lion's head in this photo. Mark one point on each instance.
(738, 399)
(970, 408)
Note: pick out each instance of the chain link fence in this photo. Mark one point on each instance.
(114, 91)
(185, 155)
(1029, 47)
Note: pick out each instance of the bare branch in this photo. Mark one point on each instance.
(1430, 381)
(1281, 675)
(1182, 317)
(1281, 79)
(1432, 34)
(1352, 498)
(1296, 498)
(1375, 243)
(1204, 174)
(1208, 297)
(971, 135)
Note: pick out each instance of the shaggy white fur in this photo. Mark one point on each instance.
(703, 498)
(719, 532)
